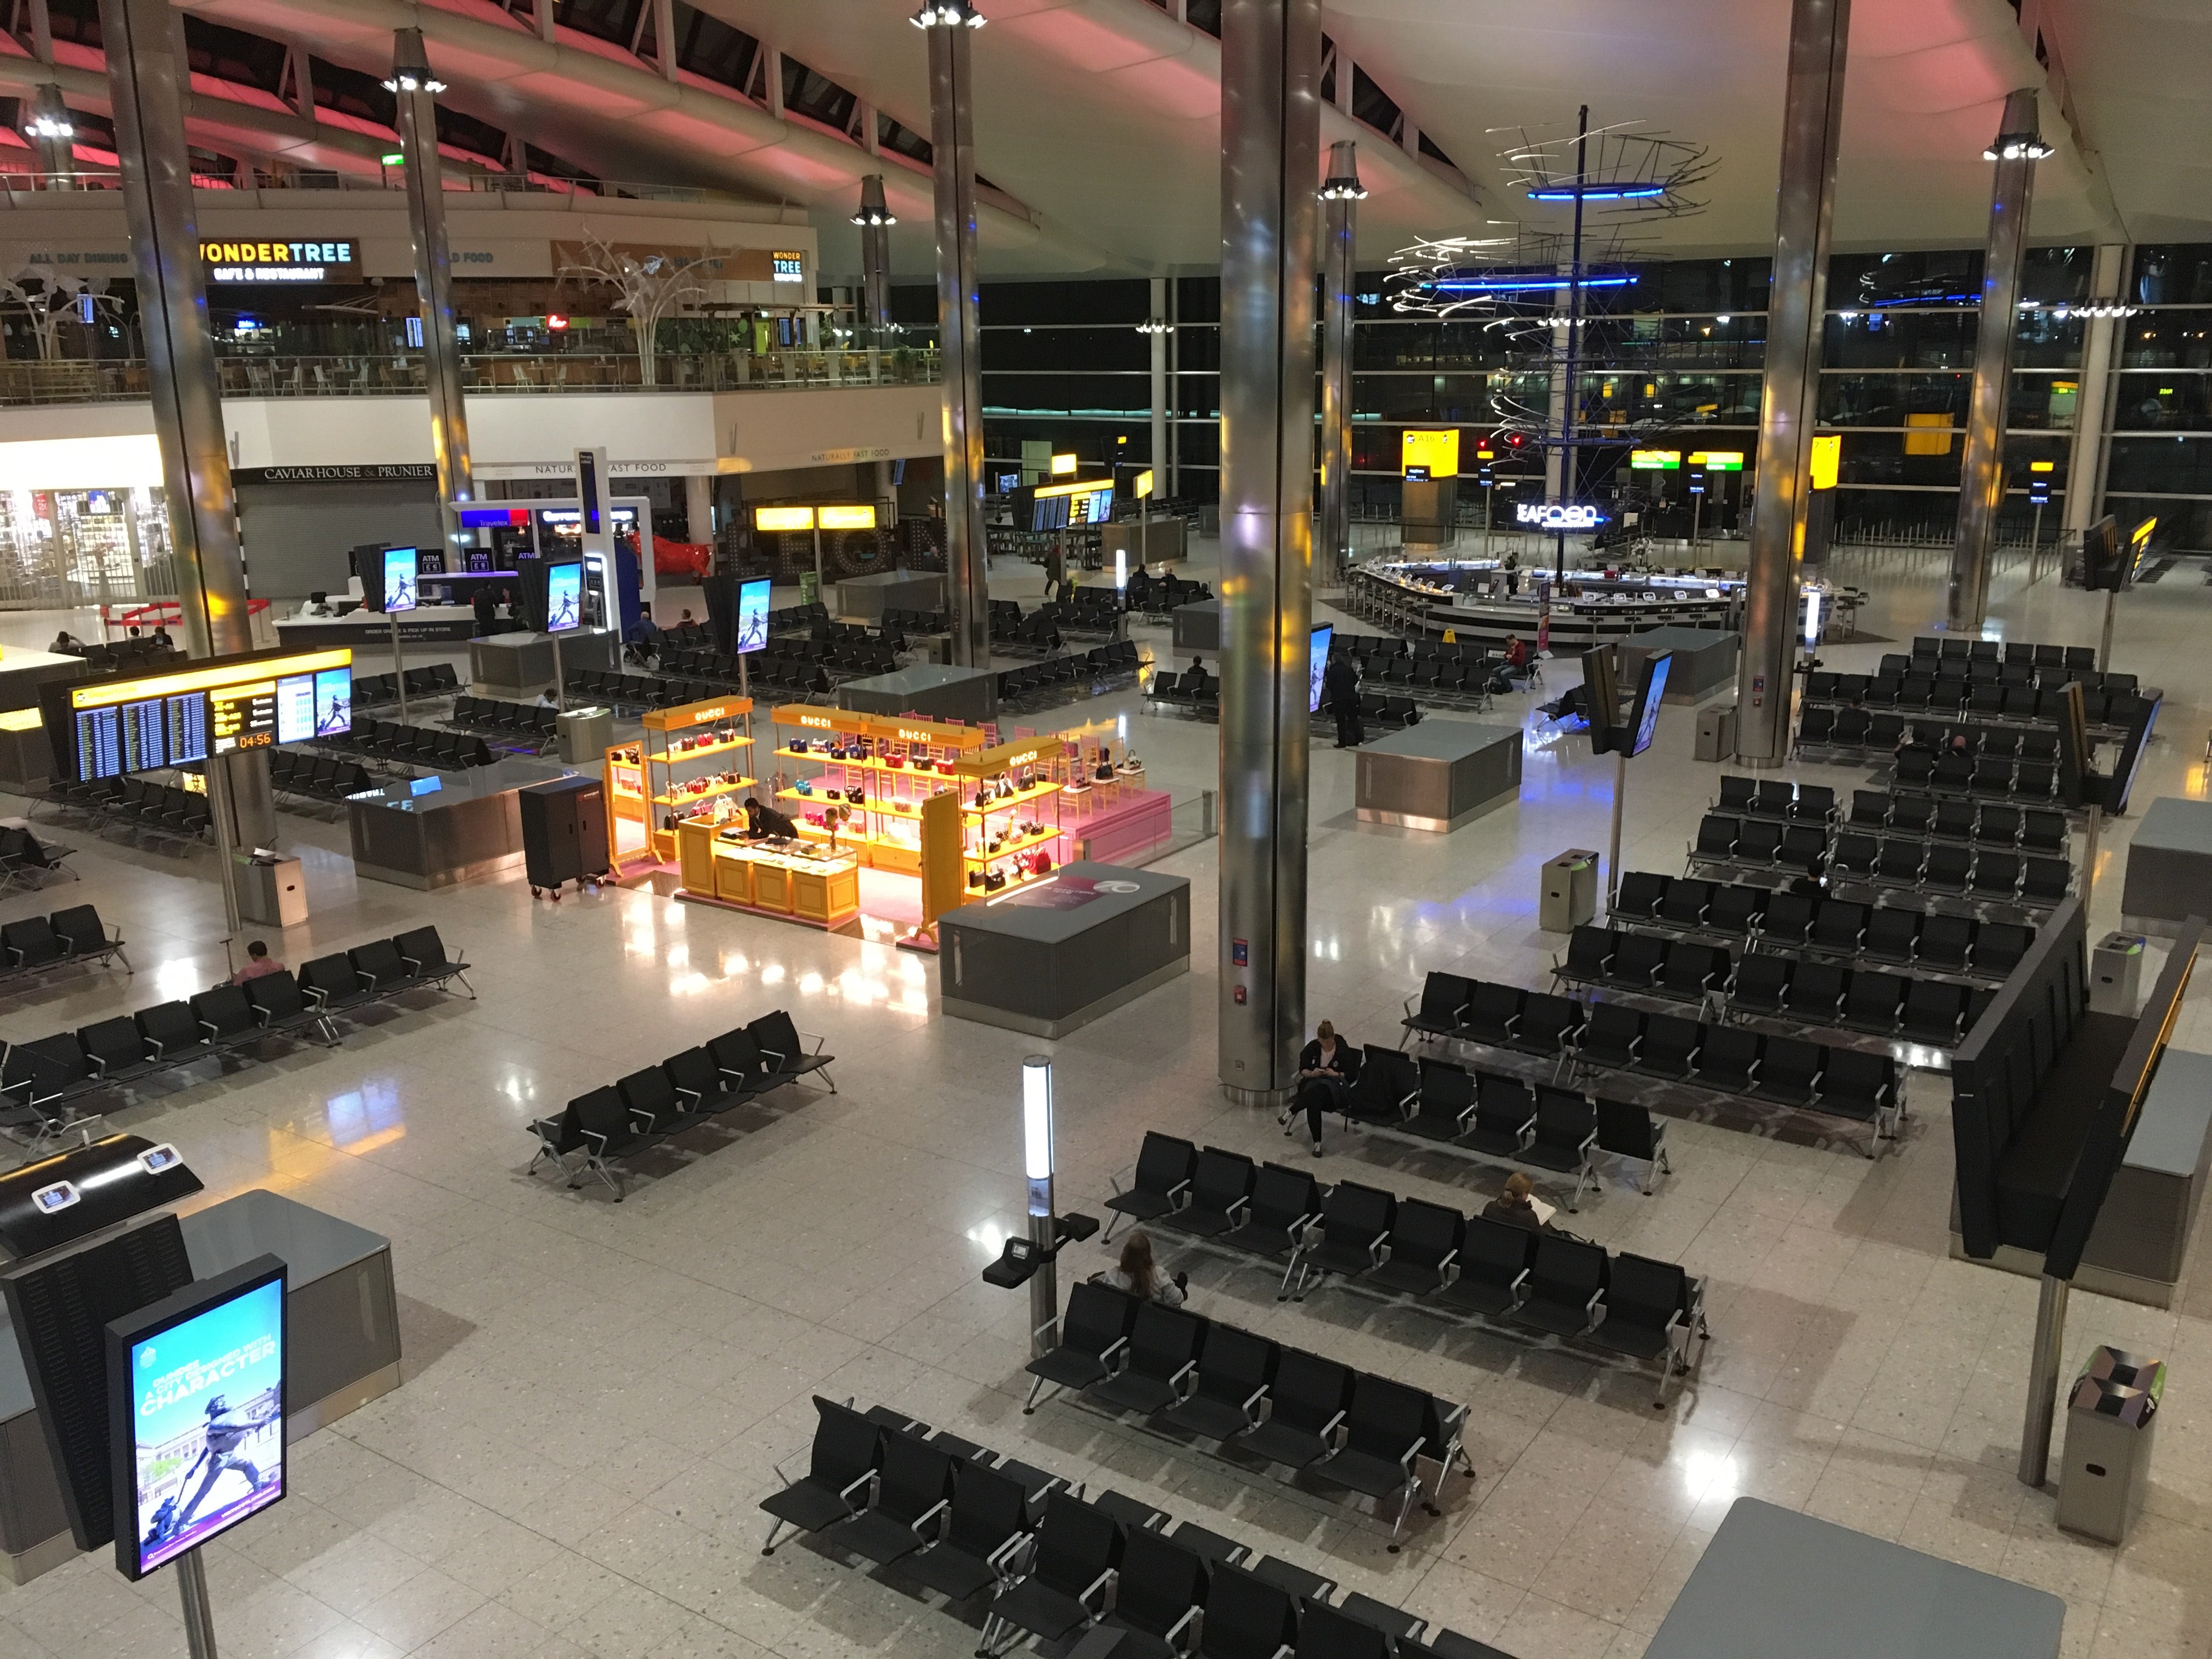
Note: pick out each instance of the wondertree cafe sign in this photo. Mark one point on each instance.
(329, 261)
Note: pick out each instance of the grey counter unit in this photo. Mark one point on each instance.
(1197, 627)
(938, 693)
(437, 830)
(343, 1351)
(27, 759)
(2169, 876)
(1438, 775)
(1052, 957)
(1777, 1585)
(2142, 1235)
(507, 663)
(1158, 541)
(898, 589)
(1705, 661)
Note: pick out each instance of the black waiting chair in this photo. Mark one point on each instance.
(1161, 1180)
(985, 1529)
(1384, 1432)
(1092, 1338)
(1350, 1237)
(1162, 1354)
(848, 1448)
(1158, 1593)
(1235, 1372)
(914, 1488)
(1308, 1397)
(1078, 1547)
(1220, 1190)
(1492, 1267)
(1423, 1245)
(1284, 1201)
(1566, 1286)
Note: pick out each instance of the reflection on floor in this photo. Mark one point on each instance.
(595, 1395)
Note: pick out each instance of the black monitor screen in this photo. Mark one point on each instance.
(1653, 692)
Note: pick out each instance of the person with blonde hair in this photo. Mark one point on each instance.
(1141, 1278)
(1513, 1204)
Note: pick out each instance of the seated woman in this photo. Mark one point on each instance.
(1515, 1204)
(1328, 1067)
(1139, 1276)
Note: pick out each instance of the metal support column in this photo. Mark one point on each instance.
(1156, 338)
(1812, 120)
(1340, 196)
(875, 220)
(200, 1616)
(416, 90)
(147, 78)
(2044, 1366)
(53, 136)
(2085, 464)
(1270, 153)
(1981, 471)
(949, 24)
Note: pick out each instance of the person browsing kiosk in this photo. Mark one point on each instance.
(764, 823)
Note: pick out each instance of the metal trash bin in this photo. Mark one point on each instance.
(2116, 975)
(1568, 898)
(2111, 1420)
(585, 735)
(1717, 732)
(272, 891)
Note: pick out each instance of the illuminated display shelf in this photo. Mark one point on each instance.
(1020, 844)
(909, 771)
(708, 793)
(1020, 798)
(671, 756)
(888, 808)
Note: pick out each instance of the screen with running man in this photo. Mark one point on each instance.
(203, 1389)
(400, 567)
(564, 596)
(753, 614)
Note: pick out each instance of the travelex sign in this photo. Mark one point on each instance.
(1553, 515)
(338, 260)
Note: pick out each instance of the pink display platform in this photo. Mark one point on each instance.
(1115, 831)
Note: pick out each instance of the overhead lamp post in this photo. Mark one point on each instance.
(52, 134)
(1036, 1165)
(950, 25)
(875, 220)
(1341, 194)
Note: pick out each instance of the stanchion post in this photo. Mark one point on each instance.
(2089, 858)
(2043, 1381)
(1613, 858)
(1036, 1164)
(398, 666)
(199, 1617)
(560, 683)
(2105, 645)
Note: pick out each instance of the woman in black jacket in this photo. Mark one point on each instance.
(1328, 1067)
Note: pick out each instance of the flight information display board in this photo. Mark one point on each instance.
(106, 728)
(1059, 507)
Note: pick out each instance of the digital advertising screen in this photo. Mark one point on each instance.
(1647, 708)
(310, 706)
(196, 1403)
(564, 596)
(1317, 665)
(399, 568)
(242, 716)
(752, 615)
(106, 727)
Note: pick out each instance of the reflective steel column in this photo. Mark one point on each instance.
(1981, 471)
(148, 79)
(1797, 311)
(2085, 464)
(875, 220)
(1270, 154)
(417, 89)
(1340, 196)
(53, 135)
(949, 23)
(1156, 336)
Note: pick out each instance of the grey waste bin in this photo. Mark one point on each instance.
(1717, 732)
(2116, 974)
(1570, 891)
(270, 889)
(2111, 1420)
(585, 735)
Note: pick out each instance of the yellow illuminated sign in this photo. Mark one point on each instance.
(1928, 434)
(219, 678)
(847, 518)
(1435, 453)
(1063, 466)
(783, 518)
(1827, 460)
(2139, 537)
(1654, 460)
(1144, 486)
(1087, 487)
(1718, 461)
(2043, 466)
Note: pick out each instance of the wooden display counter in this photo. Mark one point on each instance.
(718, 866)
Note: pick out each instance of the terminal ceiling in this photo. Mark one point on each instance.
(1097, 120)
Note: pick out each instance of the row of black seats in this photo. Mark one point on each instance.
(1788, 920)
(1760, 843)
(1949, 771)
(2110, 704)
(1499, 1114)
(27, 861)
(1090, 667)
(373, 691)
(968, 1522)
(1779, 798)
(2033, 829)
(1381, 647)
(495, 714)
(641, 690)
(618, 1120)
(1608, 1038)
(903, 620)
(790, 619)
(318, 777)
(1211, 1379)
(1157, 595)
(420, 745)
(42, 1078)
(34, 946)
(1953, 647)
(1929, 1011)
(1950, 870)
(166, 811)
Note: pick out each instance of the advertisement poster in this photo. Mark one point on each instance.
(564, 596)
(752, 615)
(1647, 722)
(207, 1415)
(400, 571)
(1317, 665)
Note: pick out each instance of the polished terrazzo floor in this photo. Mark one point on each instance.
(595, 1395)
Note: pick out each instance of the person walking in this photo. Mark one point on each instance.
(1340, 686)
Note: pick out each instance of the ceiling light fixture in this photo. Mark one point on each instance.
(408, 80)
(45, 126)
(947, 14)
(1154, 326)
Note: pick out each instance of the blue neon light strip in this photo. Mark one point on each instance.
(1516, 284)
(1602, 195)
